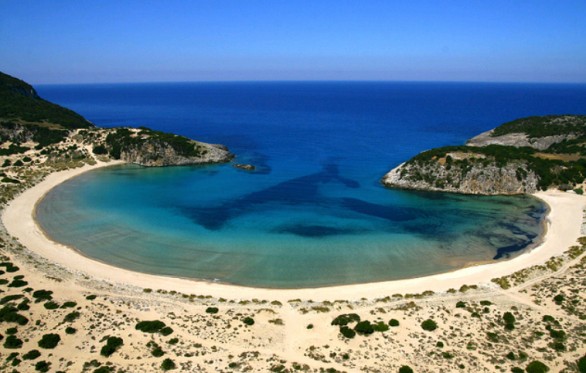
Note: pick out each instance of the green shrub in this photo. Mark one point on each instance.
(42, 366)
(10, 298)
(157, 352)
(91, 297)
(31, 355)
(461, 304)
(17, 284)
(9, 313)
(212, 310)
(23, 306)
(394, 322)
(150, 326)
(50, 305)
(380, 327)
(347, 332)
(71, 317)
(346, 319)
(49, 341)
(429, 325)
(405, 369)
(42, 295)
(12, 342)
(509, 320)
(549, 318)
(557, 334)
(364, 327)
(168, 364)
(68, 305)
(582, 364)
(100, 149)
(559, 299)
(166, 331)
(537, 366)
(70, 330)
(248, 321)
(112, 344)
(517, 370)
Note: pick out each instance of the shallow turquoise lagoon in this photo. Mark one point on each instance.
(311, 230)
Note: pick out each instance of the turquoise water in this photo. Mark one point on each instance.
(182, 222)
(314, 213)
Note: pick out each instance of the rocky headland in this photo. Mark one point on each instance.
(30, 125)
(518, 157)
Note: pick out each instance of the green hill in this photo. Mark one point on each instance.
(20, 103)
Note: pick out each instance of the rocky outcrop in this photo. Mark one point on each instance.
(521, 156)
(156, 154)
(154, 148)
(472, 178)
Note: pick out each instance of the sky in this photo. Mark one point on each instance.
(106, 41)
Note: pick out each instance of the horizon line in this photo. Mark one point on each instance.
(313, 81)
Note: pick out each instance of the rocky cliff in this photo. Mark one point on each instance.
(522, 156)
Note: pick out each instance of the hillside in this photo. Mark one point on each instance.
(20, 103)
(521, 156)
(33, 130)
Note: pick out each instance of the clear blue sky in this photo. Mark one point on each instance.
(82, 41)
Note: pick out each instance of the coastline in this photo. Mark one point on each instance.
(563, 227)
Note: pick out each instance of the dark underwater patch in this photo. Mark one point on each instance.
(296, 191)
(316, 231)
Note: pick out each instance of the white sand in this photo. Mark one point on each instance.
(564, 226)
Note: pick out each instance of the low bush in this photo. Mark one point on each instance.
(364, 327)
(50, 305)
(346, 319)
(12, 342)
(31, 355)
(380, 327)
(248, 321)
(42, 366)
(42, 295)
(509, 320)
(166, 331)
(347, 332)
(168, 364)
(71, 317)
(212, 310)
(394, 322)
(582, 364)
(49, 341)
(112, 344)
(150, 326)
(537, 366)
(429, 325)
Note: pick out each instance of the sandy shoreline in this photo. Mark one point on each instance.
(563, 228)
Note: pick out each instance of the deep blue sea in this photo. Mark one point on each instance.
(314, 212)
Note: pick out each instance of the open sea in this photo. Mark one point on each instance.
(314, 212)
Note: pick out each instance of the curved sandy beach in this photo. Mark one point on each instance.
(563, 229)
